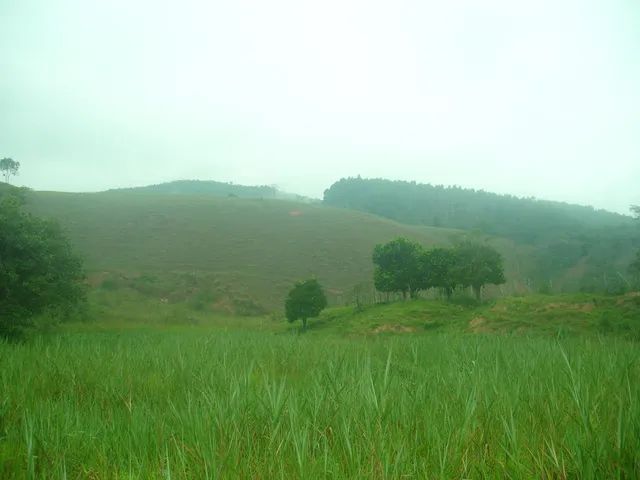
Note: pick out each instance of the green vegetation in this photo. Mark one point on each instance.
(249, 404)
(403, 266)
(551, 316)
(398, 267)
(9, 168)
(184, 373)
(38, 271)
(220, 252)
(572, 247)
(305, 300)
(476, 265)
(210, 187)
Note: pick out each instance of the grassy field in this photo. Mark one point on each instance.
(196, 402)
(229, 254)
(166, 380)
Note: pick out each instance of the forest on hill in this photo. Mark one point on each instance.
(574, 247)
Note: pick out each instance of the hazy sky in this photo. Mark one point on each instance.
(537, 97)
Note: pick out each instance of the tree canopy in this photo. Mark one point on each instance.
(405, 267)
(558, 236)
(38, 271)
(397, 267)
(477, 265)
(305, 300)
(9, 168)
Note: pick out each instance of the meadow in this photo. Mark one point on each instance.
(182, 365)
(253, 401)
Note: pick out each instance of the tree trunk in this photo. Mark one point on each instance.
(477, 290)
(304, 324)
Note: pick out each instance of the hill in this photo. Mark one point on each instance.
(220, 189)
(574, 247)
(230, 254)
(548, 315)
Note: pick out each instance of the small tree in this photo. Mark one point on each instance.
(477, 265)
(305, 300)
(9, 168)
(634, 267)
(38, 271)
(635, 211)
(397, 267)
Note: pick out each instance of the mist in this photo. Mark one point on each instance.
(534, 99)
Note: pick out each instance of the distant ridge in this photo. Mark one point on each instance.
(574, 247)
(218, 189)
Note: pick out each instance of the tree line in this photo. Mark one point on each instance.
(405, 267)
(561, 236)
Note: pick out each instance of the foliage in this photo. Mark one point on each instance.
(635, 265)
(208, 187)
(38, 271)
(635, 210)
(569, 244)
(437, 265)
(477, 265)
(404, 266)
(253, 248)
(9, 168)
(305, 300)
(397, 267)
(196, 403)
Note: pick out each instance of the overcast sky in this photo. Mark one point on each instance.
(536, 98)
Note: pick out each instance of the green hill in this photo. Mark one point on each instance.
(231, 254)
(574, 247)
(551, 315)
(220, 189)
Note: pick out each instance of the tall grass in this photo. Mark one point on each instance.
(258, 405)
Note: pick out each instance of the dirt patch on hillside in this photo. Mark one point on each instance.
(478, 325)
(295, 213)
(389, 328)
(630, 296)
(580, 307)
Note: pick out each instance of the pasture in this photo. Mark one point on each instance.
(254, 401)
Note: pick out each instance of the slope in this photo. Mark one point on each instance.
(575, 247)
(233, 254)
(551, 315)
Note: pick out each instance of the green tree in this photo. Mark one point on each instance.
(305, 300)
(397, 267)
(635, 210)
(38, 271)
(635, 265)
(437, 267)
(477, 265)
(9, 168)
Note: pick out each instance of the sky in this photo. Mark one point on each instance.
(534, 98)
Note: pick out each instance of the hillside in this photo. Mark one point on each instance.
(211, 187)
(231, 254)
(574, 247)
(548, 315)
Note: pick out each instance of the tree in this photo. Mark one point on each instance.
(634, 267)
(437, 266)
(397, 267)
(38, 271)
(9, 168)
(305, 300)
(635, 211)
(477, 265)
